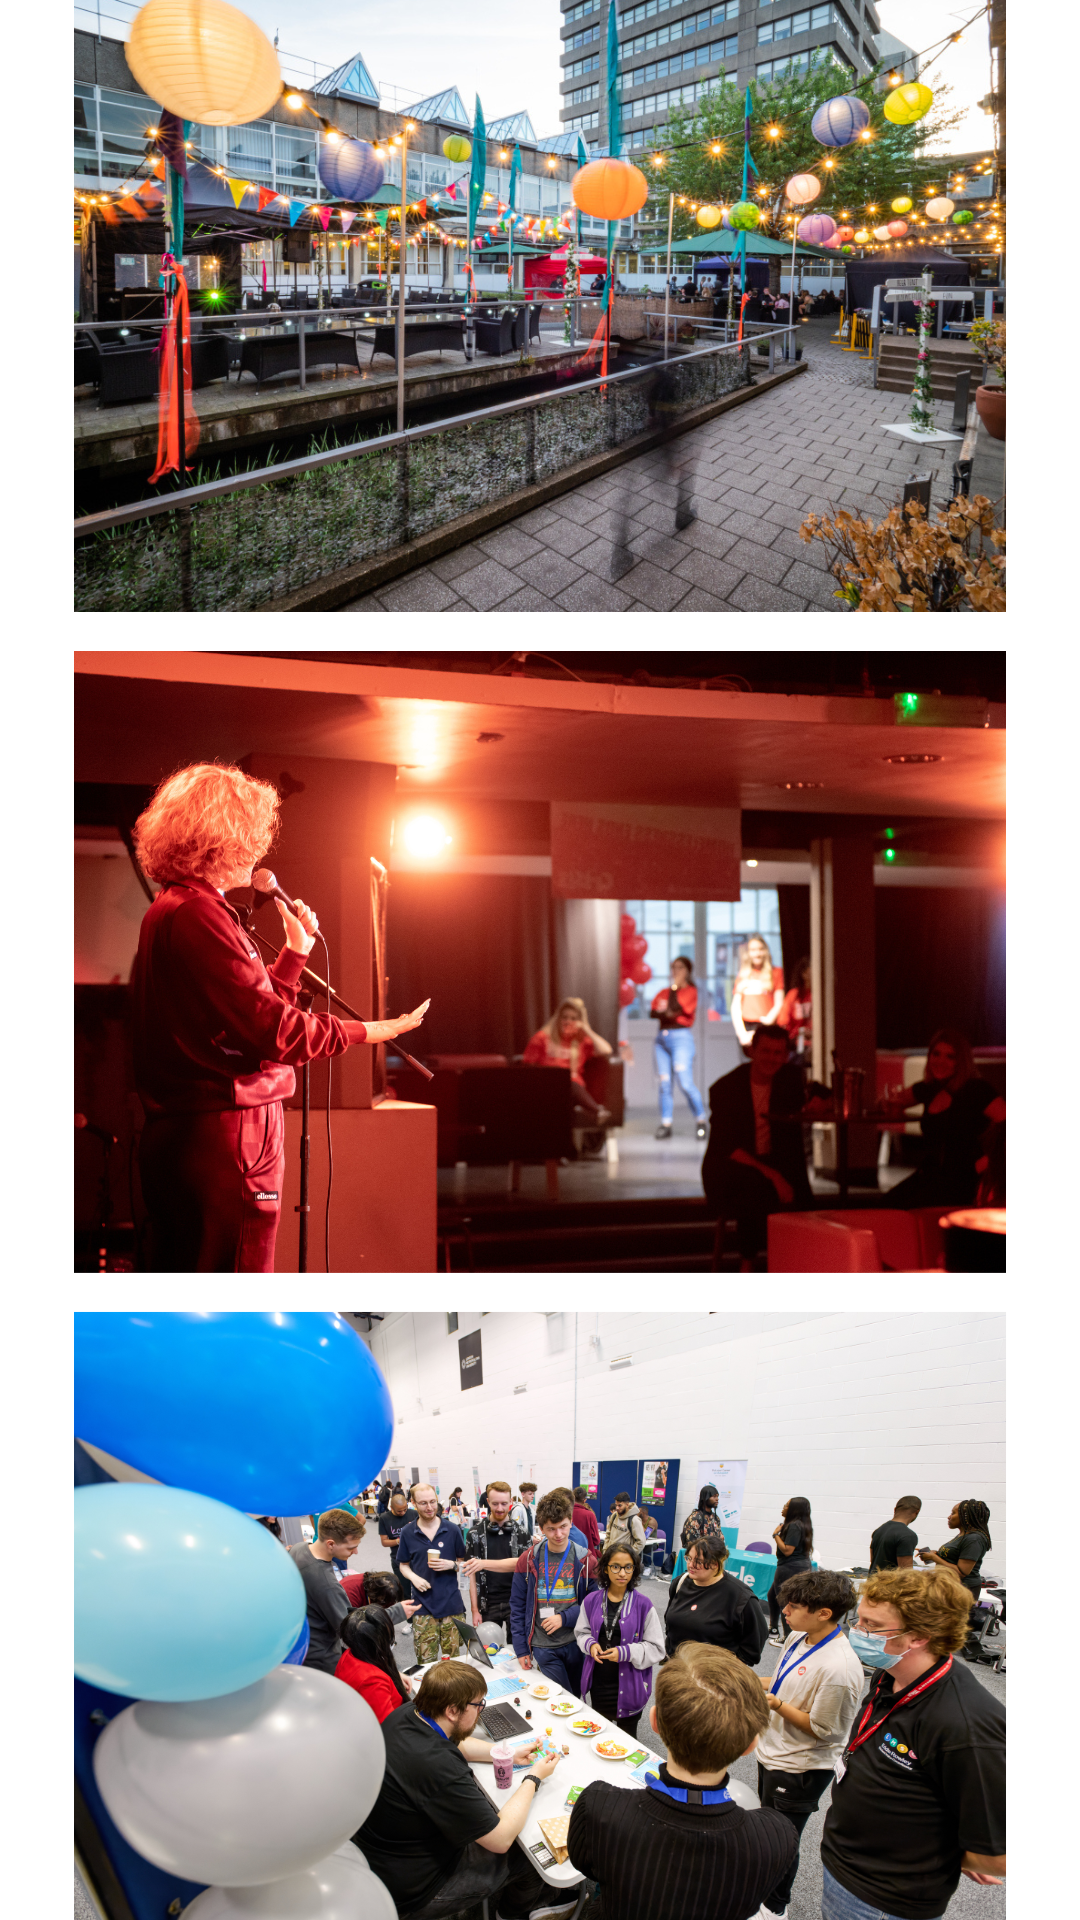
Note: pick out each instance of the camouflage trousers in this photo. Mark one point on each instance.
(432, 1637)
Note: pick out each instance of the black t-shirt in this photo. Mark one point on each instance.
(391, 1528)
(927, 1787)
(724, 1615)
(499, 1544)
(967, 1546)
(604, 1686)
(891, 1542)
(789, 1564)
(428, 1810)
(659, 1859)
(952, 1137)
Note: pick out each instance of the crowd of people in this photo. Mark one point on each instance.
(915, 1762)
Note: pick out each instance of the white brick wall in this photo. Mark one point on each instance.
(850, 1409)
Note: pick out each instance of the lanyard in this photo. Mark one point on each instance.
(548, 1589)
(793, 1659)
(429, 1723)
(901, 1700)
(703, 1796)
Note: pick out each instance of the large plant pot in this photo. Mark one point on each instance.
(990, 405)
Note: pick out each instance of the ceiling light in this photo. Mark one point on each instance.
(425, 836)
(751, 863)
(911, 759)
(801, 786)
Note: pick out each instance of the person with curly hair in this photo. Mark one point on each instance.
(919, 1795)
(216, 1034)
(567, 1040)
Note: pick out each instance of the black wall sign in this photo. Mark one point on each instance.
(470, 1360)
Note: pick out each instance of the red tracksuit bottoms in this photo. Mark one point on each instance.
(212, 1185)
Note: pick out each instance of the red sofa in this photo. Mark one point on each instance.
(857, 1240)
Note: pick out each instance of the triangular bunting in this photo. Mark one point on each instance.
(324, 215)
(296, 208)
(265, 197)
(237, 188)
(380, 218)
(421, 208)
(346, 221)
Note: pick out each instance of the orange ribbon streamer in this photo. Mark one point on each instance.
(168, 452)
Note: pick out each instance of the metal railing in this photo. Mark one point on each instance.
(241, 543)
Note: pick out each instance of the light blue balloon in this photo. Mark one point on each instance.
(178, 1597)
(273, 1412)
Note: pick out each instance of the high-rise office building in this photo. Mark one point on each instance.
(672, 52)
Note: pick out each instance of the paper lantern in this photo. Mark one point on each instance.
(840, 120)
(817, 228)
(939, 209)
(862, 236)
(709, 217)
(457, 148)
(902, 205)
(351, 170)
(847, 249)
(897, 228)
(610, 189)
(904, 105)
(963, 218)
(833, 240)
(802, 188)
(203, 61)
(846, 233)
(745, 216)
(881, 233)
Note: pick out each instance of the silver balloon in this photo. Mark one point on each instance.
(248, 1788)
(339, 1888)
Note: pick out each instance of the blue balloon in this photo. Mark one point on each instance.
(297, 1654)
(178, 1597)
(351, 170)
(840, 120)
(272, 1412)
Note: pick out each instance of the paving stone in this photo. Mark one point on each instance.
(607, 560)
(535, 522)
(654, 586)
(449, 565)
(564, 537)
(421, 592)
(710, 574)
(571, 506)
(508, 544)
(590, 594)
(701, 537)
(549, 572)
(813, 584)
(758, 596)
(763, 562)
(750, 526)
(487, 585)
(698, 601)
(784, 495)
(810, 552)
(368, 604)
(741, 501)
(528, 600)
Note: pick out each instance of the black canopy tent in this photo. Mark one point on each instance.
(863, 276)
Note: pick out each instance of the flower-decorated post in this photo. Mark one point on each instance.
(920, 416)
(571, 281)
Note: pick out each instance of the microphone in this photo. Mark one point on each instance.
(264, 881)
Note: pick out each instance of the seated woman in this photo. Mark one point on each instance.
(705, 1603)
(619, 1632)
(958, 1109)
(568, 1041)
(368, 1663)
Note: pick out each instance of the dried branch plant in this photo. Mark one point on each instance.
(907, 565)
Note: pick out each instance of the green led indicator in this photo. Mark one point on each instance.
(890, 833)
(911, 701)
(890, 854)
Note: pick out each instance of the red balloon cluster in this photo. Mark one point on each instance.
(635, 969)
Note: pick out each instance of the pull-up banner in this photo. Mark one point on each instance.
(470, 1360)
(644, 853)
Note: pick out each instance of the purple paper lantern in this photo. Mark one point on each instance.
(840, 120)
(817, 228)
(350, 169)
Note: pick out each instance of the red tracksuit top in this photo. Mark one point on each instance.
(213, 1029)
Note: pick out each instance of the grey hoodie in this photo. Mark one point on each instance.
(626, 1530)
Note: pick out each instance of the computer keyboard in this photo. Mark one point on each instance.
(504, 1723)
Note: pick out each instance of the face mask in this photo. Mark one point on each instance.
(870, 1648)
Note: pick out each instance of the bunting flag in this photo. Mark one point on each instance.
(324, 215)
(296, 208)
(168, 451)
(265, 197)
(237, 188)
(380, 218)
(171, 136)
(421, 208)
(452, 191)
(346, 221)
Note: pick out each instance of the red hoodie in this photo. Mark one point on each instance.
(213, 1030)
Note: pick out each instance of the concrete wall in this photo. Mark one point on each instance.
(850, 1409)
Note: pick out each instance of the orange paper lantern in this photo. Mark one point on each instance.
(203, 60)
(610, 189)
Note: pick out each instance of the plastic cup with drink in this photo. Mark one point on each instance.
(502, 1759)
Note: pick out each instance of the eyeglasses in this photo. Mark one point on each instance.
(478, 1703)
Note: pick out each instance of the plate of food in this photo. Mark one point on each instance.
(541, 1691)
(612, 1748)
(562, 1706)
(588, 1728)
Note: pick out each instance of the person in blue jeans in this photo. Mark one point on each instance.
(550, 1582)
(673, 1050)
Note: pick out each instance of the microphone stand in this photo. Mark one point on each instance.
(315, 984)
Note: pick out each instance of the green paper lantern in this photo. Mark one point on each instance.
(745, 216)
(963, 219)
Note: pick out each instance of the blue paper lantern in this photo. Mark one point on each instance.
(840, 120)
(350, 169)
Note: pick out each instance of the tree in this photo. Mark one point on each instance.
(861, 181)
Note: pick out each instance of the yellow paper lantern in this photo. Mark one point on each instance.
(610, 189)
(204, 61)
(904, 105)
(902, 205)
(862, 236)
(457, 148)
(709, 217)
(939, 209)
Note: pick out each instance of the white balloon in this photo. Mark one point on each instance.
(340, 1888)
(248, 1788)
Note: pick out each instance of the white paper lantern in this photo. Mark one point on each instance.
(882, 233)
(802, 188)
(938, 209)
(204, 61)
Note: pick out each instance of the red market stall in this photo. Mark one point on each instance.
(539, 273)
